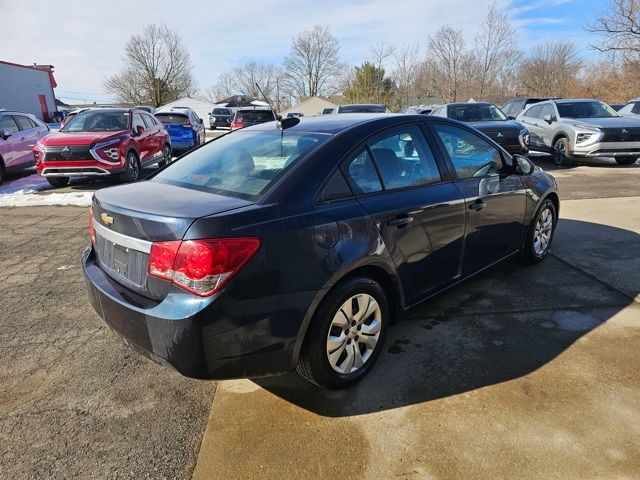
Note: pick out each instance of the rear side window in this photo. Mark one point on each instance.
(255, 115)
(636, 108)
(148, 121)
(506, 108)
(137, 122)
(547, 109)
(172, 118)
(471, 155)
(23, 122)
(243, 164)
(362, 173)
(8, 123)
(404, 158)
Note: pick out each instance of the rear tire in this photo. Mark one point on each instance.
(560, 156)
(3, 173)
(58, 182)
(346, 334)
(166, 156)
(626, 160)
(132, 173)
(540, 234)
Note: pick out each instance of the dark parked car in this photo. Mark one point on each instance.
(19, 133)
(418, 110)
(361, 108)
(220, 117)
(513, 107)
(264, 251)
(486, 117)
(248, 116)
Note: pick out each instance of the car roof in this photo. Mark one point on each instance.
(333, 124)
(574, 100)
(11, 112)
(465, 104)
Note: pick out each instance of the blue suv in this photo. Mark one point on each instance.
(185, 128)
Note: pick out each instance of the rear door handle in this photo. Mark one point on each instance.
(477, 205)
(400, 222)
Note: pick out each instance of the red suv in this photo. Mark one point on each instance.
(103, 141)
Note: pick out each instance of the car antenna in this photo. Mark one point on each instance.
(281, 123)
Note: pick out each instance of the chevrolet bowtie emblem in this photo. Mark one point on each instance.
(106, 219)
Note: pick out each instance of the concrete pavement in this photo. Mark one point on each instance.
(525, 372)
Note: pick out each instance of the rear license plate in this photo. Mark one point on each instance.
(120, 260)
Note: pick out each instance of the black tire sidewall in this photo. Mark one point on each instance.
(127, 175)
(630, 160)
(560, 159)
(314, 348)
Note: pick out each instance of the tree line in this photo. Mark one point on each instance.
(446, 68)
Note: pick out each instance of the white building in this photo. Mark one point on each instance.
(201, 107)
(28, 89)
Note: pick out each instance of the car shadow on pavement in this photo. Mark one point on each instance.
(500, 326)
(546, 162)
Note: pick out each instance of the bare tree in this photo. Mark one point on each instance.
(405, 73)
(157, 69)
(446, 55)
(242, 80)
(312, 66)
(380, 51)
(225, 86)
(495, 48)
(551, 69)
(619, 28)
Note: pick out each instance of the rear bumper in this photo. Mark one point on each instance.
(182, 144)
(212, 338)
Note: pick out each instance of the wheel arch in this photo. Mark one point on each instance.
(379, 272)
(557, 136)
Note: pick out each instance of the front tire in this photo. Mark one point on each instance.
(58, 182)
(626, 160)
(132, 173)
(540, 234)
(346, 334)
(560, 152)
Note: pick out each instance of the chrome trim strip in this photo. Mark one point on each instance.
(121, 239)
(81, 172)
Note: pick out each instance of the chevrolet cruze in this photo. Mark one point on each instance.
(295, 244)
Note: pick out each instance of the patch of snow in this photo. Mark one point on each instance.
(65, 267)
(25, 198)
(28, 184)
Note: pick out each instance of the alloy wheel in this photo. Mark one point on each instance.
(132, 166)
(542, 232)
(354, 333)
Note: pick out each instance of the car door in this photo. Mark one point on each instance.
(9, 147)
(144, 140)
(155, 138)
(418, 211)
(495, 197)
(26, 139)
(532, 119)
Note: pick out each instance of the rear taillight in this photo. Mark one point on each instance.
(201, 267)
(239, 123)
(92, 229)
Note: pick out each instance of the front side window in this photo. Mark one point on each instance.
(535, 111)
(585, 110)
(148, 121)
(471, 155)
(404, 158)
(636, 107)
(8, 123)
(506, 108)
(241, 165)
(96, 121)
(547, 109)
(362, 173)
(137, 122)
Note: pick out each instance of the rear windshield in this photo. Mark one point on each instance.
(241, 164)
(362, 109)
(96, 121)
(475, 113)
(256, 116)
(221, 111)
(585, 110)
(172, 118)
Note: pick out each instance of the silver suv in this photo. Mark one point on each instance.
(581, 129)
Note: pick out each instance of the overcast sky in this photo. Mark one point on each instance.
(85, 39)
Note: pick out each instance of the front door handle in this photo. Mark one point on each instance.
(477, 205)
(400, 221)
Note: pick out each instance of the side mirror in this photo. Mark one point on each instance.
(5, 133)
(511, 117)
(522, 165)
(201, 121)
(549, 119)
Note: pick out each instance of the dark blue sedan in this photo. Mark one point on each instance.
(295, 244)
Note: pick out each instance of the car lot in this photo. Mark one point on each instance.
(521, 370)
